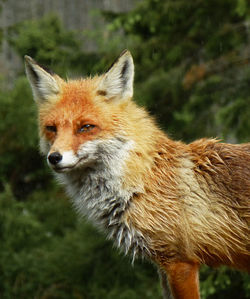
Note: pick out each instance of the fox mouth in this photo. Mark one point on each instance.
(67, 168)
(63, 168)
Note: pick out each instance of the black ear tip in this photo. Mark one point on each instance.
(125, 52)
(31, 64)
(29, 60)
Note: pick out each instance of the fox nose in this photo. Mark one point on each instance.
(55, 158)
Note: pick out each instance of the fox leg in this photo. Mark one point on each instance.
(166, 292)
(183, 279)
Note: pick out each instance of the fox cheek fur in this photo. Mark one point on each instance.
(181, 205)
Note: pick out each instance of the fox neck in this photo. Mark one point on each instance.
(98, 192)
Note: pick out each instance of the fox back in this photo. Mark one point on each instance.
(181, 205)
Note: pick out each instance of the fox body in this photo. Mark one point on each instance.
(181, 205)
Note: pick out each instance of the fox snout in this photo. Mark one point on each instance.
(54, 158)
(63, 161)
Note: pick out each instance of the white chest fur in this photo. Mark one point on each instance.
(97, 193)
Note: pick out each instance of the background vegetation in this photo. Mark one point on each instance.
(192, 73)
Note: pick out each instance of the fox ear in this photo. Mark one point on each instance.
(43, 83)
(117, 82)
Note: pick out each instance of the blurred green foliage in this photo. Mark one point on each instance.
(46, 252)
(192, 73)
(1, 30)
(47, 41)
(192, 64)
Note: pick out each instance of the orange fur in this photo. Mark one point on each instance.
(183, 279)
(190, 202)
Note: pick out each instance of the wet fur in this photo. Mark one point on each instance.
(181, 205)
(200, 210)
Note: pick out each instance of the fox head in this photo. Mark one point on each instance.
(80, 119)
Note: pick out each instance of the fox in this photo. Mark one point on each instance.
(180, 205)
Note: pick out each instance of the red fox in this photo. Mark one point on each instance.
(181, 205)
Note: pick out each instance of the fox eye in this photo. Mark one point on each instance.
(51, 128)
(85, 128)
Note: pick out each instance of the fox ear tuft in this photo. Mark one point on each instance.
(43, 82)
(117, 82)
